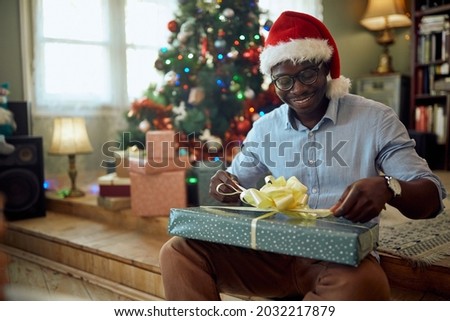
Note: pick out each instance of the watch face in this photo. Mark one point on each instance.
(395, 186)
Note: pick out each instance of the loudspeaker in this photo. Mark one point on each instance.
(22, 178)
(22, 116)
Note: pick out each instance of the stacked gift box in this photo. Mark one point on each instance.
(158, 178)
(114, 192)
(111, 185)
(115, 187)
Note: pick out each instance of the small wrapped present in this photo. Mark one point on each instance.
(325, 238)
(154, 166)
(156, 194)
(114, 203)
(112, 185)
(160, 144)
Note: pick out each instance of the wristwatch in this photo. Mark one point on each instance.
(393, 185)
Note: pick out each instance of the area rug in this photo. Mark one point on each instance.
(420, 242)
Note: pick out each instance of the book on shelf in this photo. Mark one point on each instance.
(430, 23)
(440, 122)
(433, 79)
(432, 119)
(419, 81)
(433, 39)
(424, 117)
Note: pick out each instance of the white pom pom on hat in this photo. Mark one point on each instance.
(300, 37)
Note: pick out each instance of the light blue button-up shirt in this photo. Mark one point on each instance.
(356, 138)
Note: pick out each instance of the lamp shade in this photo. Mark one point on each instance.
(69, 137)
(382, 14)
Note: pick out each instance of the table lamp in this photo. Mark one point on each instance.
(382, 16)
(70, 138)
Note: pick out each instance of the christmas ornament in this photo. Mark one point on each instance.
(252, 55)
(228, 13)
(249, 93)
(267, 25)
(172, 26)
(220, 44)
(213, 143)
(242, 127)
(171, 78)
(196, 95)
(233, 54)
(144, 126)
(159, 65)
(180, 112)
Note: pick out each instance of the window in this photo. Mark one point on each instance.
(97, 53)
(100, 54)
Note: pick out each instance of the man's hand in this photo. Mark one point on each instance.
(220, 189)
(363, 200)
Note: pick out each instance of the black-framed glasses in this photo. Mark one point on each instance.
(306, 77)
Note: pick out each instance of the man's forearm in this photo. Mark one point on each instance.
(420, 199)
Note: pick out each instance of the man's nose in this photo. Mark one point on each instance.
(298, 85)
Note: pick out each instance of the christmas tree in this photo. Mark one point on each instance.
(212, 86)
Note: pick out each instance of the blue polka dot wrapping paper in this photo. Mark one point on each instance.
(328, 238)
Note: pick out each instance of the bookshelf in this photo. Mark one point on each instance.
(430, 74)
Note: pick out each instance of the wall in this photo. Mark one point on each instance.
(357, 48)
(10, 56)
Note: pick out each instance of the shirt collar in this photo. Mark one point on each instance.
(331, 114)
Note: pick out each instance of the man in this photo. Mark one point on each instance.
(353, 154)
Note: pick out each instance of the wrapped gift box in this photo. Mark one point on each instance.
(156, 194)
(160, 144)
(114, 203)
(122, 163)
(329, 239)
(154, 166)
(112, 185)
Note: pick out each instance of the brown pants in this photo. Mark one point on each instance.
(196, 270)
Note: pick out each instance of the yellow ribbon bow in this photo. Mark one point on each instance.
(278, 194)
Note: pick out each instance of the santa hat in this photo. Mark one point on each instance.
(300, 37)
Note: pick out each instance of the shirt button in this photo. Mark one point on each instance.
(310, 134)
(311, 162)
(314, 190)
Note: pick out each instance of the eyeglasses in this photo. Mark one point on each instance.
(306, 77)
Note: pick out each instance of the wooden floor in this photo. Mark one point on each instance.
(84, 252)
(36, 281)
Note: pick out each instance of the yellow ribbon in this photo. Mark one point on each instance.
(287, 196)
